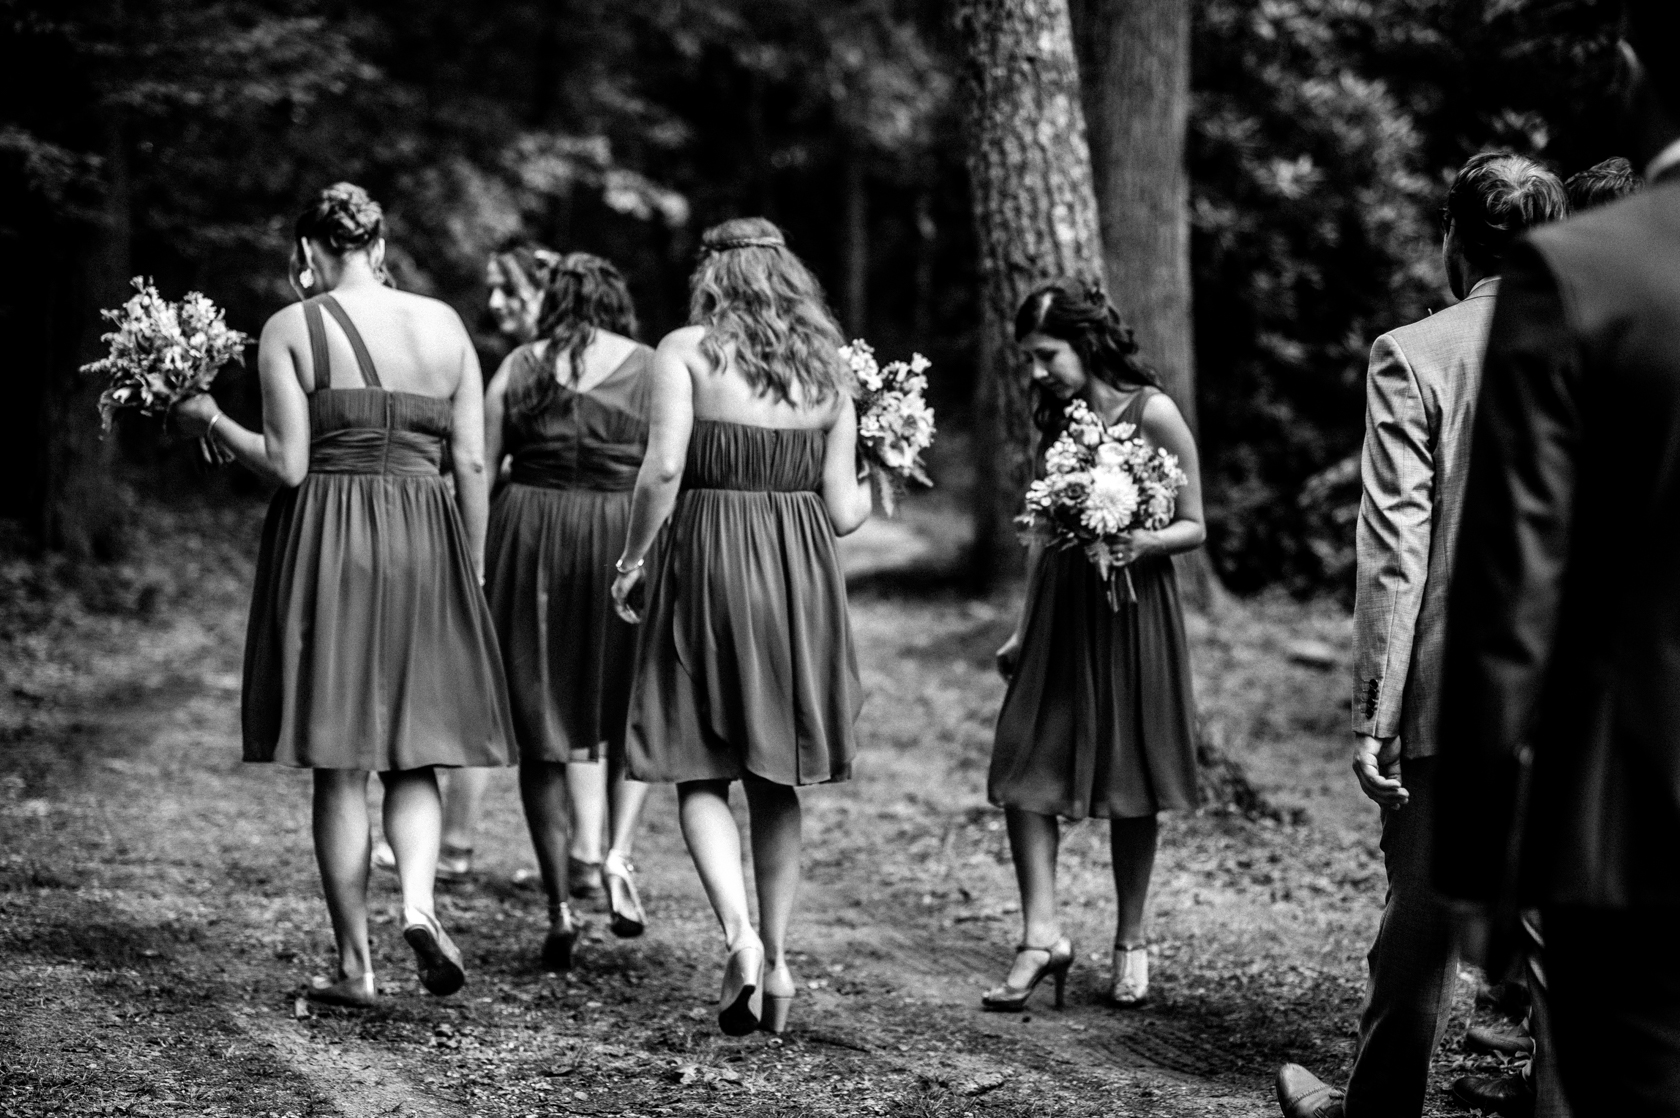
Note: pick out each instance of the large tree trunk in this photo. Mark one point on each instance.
(1035, 215)
(854, 244)
(1135, 59)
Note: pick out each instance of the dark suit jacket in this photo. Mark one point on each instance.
(1564, 614)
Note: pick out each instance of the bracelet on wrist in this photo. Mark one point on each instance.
(210, 430)
(618, 565)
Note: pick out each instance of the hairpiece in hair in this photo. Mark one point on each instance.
(746, 242)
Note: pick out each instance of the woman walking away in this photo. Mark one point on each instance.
(370, 647)
(1098, 714)
(744, 666)
(516, 274)
(571, 411)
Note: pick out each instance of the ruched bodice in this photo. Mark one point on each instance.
(723, 455)
(372, 431)
(560, 438)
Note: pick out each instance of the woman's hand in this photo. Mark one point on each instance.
(195, 414)
(1009, 657)
(622, 588)
(1129, 547)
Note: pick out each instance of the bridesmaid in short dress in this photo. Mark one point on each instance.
(744, 665)
(370, 646)
(570, 411)
(1098, 716)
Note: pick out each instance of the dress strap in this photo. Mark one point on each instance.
(1133, 411)
(321, 372)
(364, 359)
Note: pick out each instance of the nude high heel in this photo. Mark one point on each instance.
(1004, 998)
(740, 1003)
(629, 919)
(1131, 976)
(778, 1001)
(350, 993)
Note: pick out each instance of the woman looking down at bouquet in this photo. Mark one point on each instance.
(1097, 719)
(370, 646)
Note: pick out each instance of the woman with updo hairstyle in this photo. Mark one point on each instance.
(570, 412)
(1097, 719)
(370, 646)
(744, 666)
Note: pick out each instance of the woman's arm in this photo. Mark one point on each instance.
(495, 409)
(849, 498)
(472, 489)
(1165, 427)
(670, 424)
(1010, 654)
(281, 453)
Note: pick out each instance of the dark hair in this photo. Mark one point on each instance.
(529, 263)
(1496, 198)
(1652, 29)
(1601, 184)
(1079, 313)
(343, 218)
(584, 294)
(753, 295)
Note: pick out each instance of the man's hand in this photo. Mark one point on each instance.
(1376, 762)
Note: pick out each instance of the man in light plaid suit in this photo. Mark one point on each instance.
(1420, 398)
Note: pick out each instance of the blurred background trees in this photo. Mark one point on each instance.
(177, 137)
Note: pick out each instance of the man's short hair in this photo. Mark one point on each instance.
(1496, 198)
(1601, 184)
(1652, 29)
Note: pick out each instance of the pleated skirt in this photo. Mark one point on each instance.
(745, 664)
(370, 644)
(570, 658)
(1099, 719)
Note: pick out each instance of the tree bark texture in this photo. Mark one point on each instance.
(1035, 216)
(854, 245)
(1134, 58)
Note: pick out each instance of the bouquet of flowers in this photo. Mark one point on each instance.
(1101, 481)
(163, 352)
(895, 424)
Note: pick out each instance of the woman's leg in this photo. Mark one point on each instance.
(1132, 843)
(715, 845)
(775, 815)
(340, 824)
(463, 796)
(542, 789)
(625, 798)
(414, 827)
(1033, 841)
(588, 783)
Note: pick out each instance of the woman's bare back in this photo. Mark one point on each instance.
(724, 394)
(417, 344)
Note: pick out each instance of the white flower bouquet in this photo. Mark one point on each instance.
(161, 353)
(1101, 481)
(895, 424)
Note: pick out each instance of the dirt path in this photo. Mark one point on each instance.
(159, 908)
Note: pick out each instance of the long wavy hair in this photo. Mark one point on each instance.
(1080, 314)
(757, 299)
(584, 294)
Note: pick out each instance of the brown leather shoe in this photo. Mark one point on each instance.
(1498, 1042)
(1508, 1096)
(1301, 1094)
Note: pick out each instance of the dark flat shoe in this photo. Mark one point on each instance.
(1505, 1095)
(437, 957)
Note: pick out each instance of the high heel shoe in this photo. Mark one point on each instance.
(437, 957)
(1005, 998)
(350, 993)
(561, 939)
(454, 864)
(583, 879)
(1131, 976)
(623, 902)
(739, 1004)
(778, 1000)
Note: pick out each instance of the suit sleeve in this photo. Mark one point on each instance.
(1396, 521)
(1512, 560)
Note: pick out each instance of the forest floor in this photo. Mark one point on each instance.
(159, 907)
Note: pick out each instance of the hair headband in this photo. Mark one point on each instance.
(745, 242)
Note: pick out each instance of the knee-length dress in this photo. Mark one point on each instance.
(1099, 717)
(370, 645)
(555, 529)
(745, 665)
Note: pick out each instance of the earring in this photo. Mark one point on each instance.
(306, 278)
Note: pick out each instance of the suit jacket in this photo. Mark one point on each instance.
(1564, 621)
(1420, 398)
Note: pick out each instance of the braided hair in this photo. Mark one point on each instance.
(584, 293)
(1079, 313)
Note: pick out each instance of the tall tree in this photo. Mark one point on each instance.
(1134, 58)
(1035, 215)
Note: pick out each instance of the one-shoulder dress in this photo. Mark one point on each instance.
(745, 665)
(1098, 719)
(556, 527)
(370, 645)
